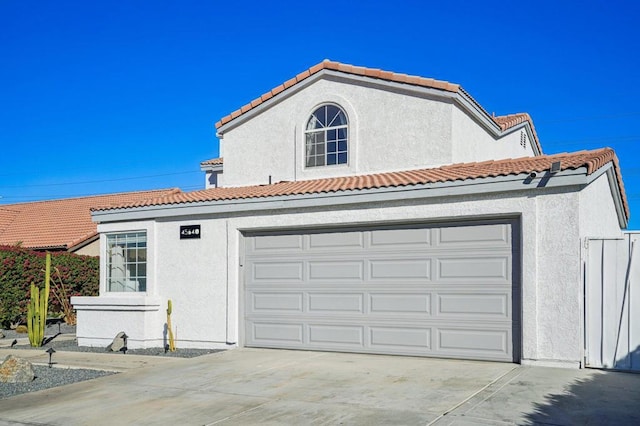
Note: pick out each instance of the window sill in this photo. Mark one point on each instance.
(325, 167)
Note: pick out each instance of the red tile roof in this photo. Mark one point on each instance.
(60, 224)
(508, 121)
(345, 68)
(212, 162)
(505, 122)
(592, 160)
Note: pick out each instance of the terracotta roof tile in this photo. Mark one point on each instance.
(212, 162)
(7, 215)
(592, 160)
(508, 121)
(349, 69)
(60, 223)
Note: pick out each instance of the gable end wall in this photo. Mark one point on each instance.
(388, 131)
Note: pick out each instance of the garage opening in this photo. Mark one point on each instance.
(440, 290)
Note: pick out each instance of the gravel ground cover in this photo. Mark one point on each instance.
(50, 378)
(72, 345)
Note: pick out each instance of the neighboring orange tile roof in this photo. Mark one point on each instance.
(505, 122)
(592, 160)
(6, 217)
(212, 162)
(60, 224)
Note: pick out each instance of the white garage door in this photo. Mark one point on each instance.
(428, 290)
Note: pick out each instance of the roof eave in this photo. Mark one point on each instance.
(211, 167)
(85, 242)
(519, 182)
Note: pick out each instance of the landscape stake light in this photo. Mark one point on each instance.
(50, 351)
(124, 348)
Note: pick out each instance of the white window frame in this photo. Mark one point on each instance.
(128, 282)
(330, 134)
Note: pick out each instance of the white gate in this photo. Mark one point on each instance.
(612, 303)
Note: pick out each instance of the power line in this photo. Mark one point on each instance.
(602, 139)
(589, 118)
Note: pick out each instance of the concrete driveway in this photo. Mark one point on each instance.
(273, 387)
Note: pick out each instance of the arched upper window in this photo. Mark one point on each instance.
(326, 137)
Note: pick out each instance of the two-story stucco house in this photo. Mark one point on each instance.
(360, 210)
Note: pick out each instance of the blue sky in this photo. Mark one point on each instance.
(99, 97)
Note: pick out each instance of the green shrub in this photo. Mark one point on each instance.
(20, 267)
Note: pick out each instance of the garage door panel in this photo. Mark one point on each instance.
(474, 341)
(276, 333)
(445, 291)
(400, 238)
(275, 302)
(479, 305)
(276, 243)
(400, 304)
(336, 270)
(336, 302)
(419, 269)
(390, 338)
(336, 334)
(277, 271)
(336, 240)
(497, 235)
(474, 269)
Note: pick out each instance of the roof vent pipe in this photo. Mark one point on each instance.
(269, 179)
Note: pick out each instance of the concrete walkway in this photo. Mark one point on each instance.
(277, 387)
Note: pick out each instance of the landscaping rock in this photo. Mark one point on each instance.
(1, 335)
(118, 343)
(16, 370)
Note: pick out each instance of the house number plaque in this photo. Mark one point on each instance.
(189, 231)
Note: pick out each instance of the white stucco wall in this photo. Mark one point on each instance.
(204, 277)
(188, 272)
(470, 142)
(387, 131)
(598, 216)
(559, 286)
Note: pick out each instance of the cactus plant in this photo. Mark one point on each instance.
(38, 307)
(172, 343)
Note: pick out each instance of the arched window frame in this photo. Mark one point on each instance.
(327, 137)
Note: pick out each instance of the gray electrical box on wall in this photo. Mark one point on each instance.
(189, 232)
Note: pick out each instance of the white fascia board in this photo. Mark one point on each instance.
(268, 104)
(460, 98)
(519, 182)
(211, 167)
(615, 191)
